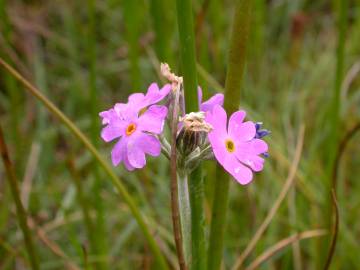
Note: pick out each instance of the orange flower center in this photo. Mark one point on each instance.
(230, 146)
(130, 129)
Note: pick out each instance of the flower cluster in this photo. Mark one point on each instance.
(138, 125)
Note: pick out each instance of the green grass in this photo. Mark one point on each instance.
(86, 59)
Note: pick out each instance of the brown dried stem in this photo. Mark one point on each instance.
(282, 244)
(335, 231)
(174, 186)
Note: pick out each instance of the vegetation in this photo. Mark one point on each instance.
(62, 205)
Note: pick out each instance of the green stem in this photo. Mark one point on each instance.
(99, 241)
(187, 53)
(21, 214)
(218, 219)
(162, 28)
(185, 214)
(198, 247)
(334, 115)
(132, 13)
(9, 82)
(236, 66)
(196, 191)
(113, 178)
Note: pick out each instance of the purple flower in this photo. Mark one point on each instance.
(260, 133)
(235, 146)
(135, 124)
(153, 95)
(207, 106)
(139, 101)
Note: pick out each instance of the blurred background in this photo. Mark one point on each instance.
(87, 55)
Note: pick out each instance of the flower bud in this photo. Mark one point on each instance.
(193, 133)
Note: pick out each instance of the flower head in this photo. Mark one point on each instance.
(234, 145)
(195, 120)
(193, 133)
(135, 125)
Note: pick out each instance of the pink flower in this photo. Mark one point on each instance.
(135, 124)
(235, 146)
(139, 101)
(207, 106)
(153, 95)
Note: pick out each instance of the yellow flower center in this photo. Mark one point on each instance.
(230, 146)
(130, 129)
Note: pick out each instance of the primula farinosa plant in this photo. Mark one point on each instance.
(138, 128)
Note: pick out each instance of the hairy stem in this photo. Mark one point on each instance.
(174, 185)
(196, 193)
(185, 214)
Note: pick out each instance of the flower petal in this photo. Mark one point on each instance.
(135, 153)
(118, 152)
(136, 99)
(248, 153)
(241, 173)
(241, 131)
(199, 94)
(236, 119)
(153, 119)
(208, 105)
(112, 131)
(259, 146)
(217, 142)
(127, 164)
(217, 119)
(108, 116)
(149, 144)
(155, 95)
(127, 111)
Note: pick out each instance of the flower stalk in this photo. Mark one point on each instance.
(196, 195)
(185, 214)
(178, 231)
